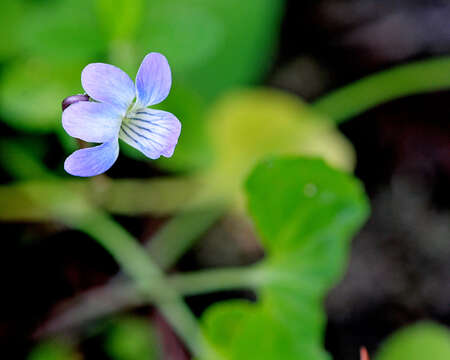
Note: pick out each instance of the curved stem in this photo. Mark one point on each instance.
(404, 80)
(148, 278)
(120, 294)
(180, 232)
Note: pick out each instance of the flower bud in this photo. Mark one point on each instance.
(73, 99)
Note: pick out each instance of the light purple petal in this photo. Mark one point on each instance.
(153, 132)
(92, 121)
(92, 161)
(153, 80)
(107, 83)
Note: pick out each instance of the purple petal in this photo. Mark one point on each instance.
(153, 132)
(91, 121)
(153, 80)
(92, 161)
(107, 83)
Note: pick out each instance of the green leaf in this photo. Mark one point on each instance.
(31, 92)
(54, 41)
(132, 338)
(306, 214)
(207, 42)
(246, 126)
(62, 32)
(10, 15)
(220, 324)
(421, 341)
(120, 19)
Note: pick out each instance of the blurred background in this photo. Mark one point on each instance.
(399, 267)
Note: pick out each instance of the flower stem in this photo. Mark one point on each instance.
(403, 80)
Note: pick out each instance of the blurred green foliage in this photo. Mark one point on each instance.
(246, 126)
(306, 214)
(209, 47)
(424, 340)
(119, 19)
(53, 350)
(10, 12)
(211, 44)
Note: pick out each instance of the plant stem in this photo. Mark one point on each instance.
(179, 234)
(147, 277)
(403, 80)
(120, 295)
(206, 281)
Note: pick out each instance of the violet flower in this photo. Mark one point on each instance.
(120, 110)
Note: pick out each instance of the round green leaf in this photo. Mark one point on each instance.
(222, 321)
(306, 214)
(421, 341)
